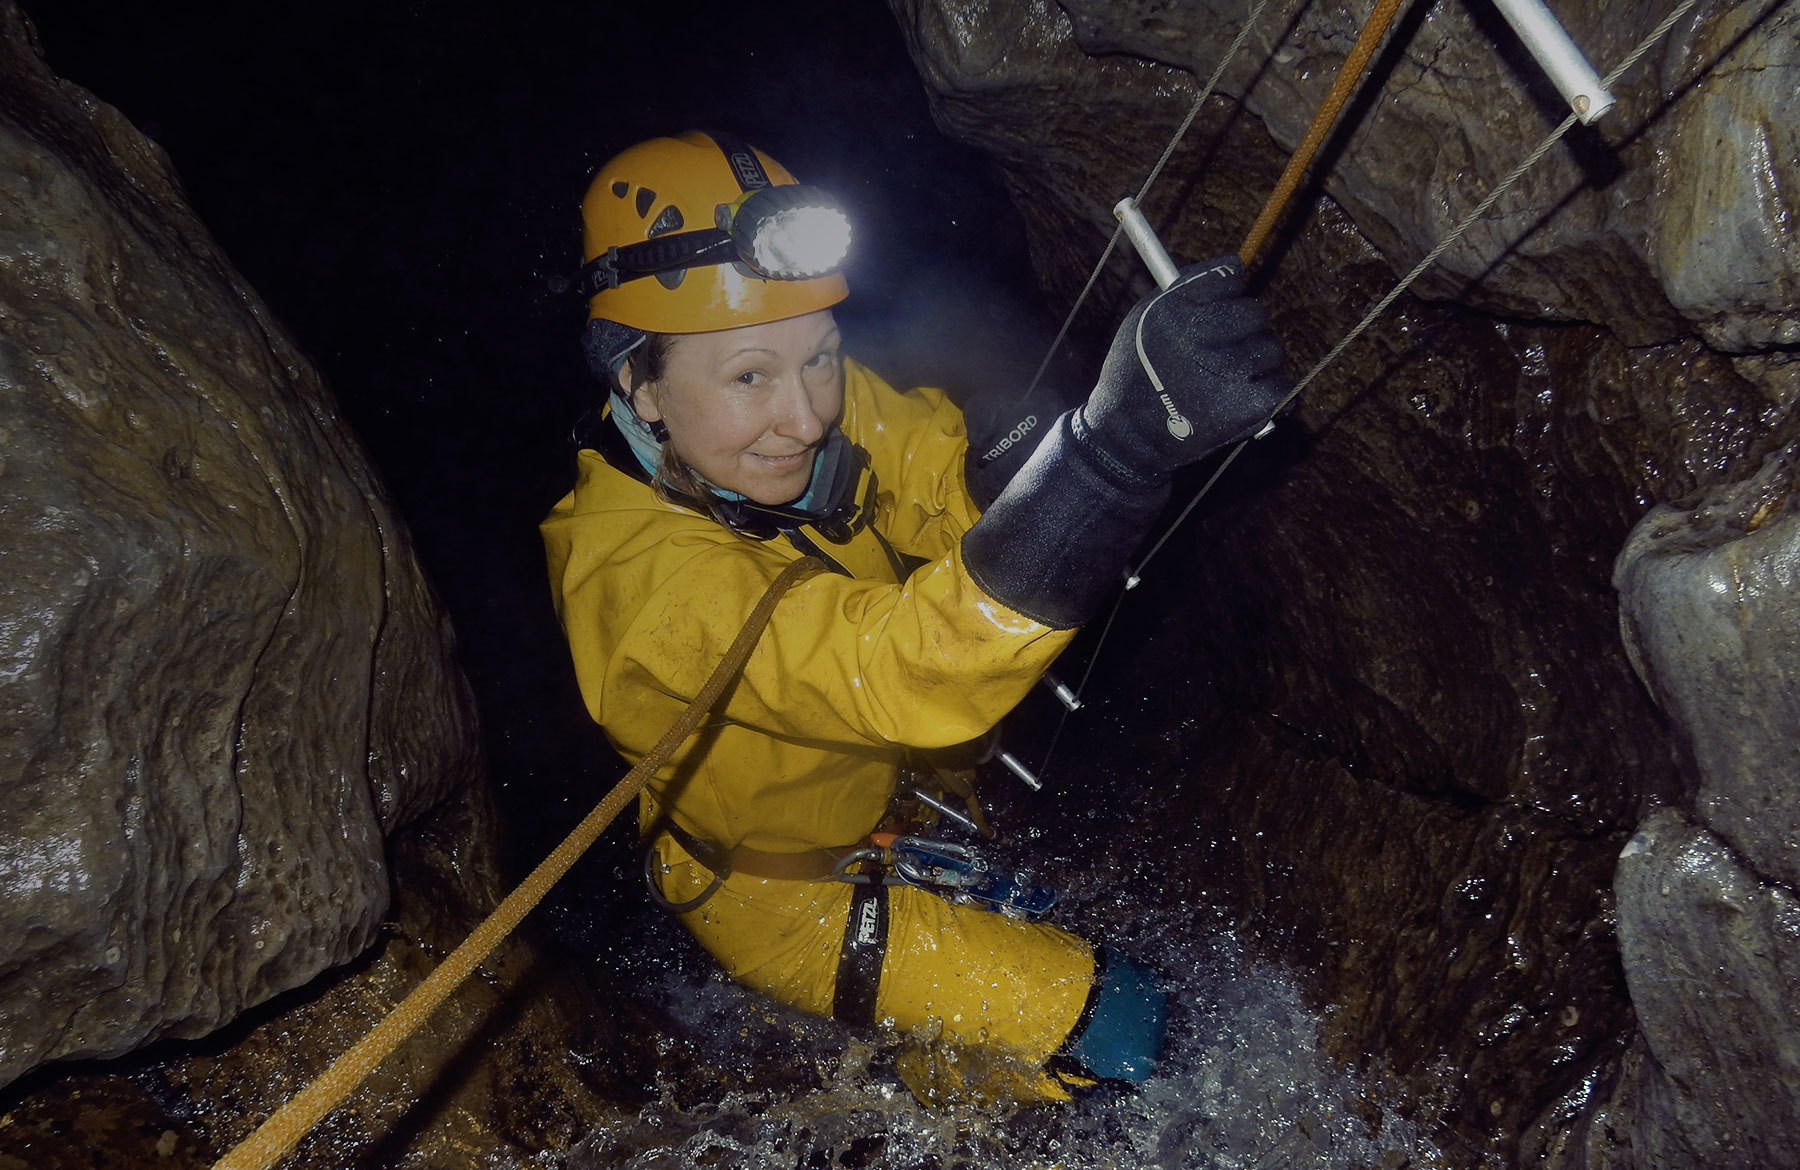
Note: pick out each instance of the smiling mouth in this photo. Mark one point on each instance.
(785, 462)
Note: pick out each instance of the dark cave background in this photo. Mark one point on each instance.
(399, 181)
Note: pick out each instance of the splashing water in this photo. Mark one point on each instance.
(745, 1082)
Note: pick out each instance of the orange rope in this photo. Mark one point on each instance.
(1348, 75)
(293, 1120)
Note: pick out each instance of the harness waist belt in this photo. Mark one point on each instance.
(809, 865)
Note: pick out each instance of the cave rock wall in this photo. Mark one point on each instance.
(1709, 923)
(1387, 658)
(1675, 212)
(222, 676)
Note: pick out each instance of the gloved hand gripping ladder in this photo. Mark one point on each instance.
(1156, 258)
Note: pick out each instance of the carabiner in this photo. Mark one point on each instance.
(961, 874)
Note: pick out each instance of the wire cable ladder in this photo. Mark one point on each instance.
(1586, 108)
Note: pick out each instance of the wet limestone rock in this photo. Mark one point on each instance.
(1712, 954)
(525, 1056)
(1385, 651)
(1725, 238)
(1709, 924)
(1708, 610)
(222, 677)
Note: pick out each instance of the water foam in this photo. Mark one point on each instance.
(745, 1082)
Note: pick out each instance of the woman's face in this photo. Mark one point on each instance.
(748, 408)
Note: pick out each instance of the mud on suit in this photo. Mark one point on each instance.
(803, 753)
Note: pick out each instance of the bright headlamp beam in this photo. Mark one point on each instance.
(790, 233)
(798, 244)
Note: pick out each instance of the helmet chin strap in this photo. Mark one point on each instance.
(838, 501)
(607, 346)
(828, 498)
(658, 430)
(642, 437)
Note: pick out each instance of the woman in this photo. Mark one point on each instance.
(737, 438)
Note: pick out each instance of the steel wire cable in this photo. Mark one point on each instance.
(1430, 258)
(1480, 212)
(1206, 91)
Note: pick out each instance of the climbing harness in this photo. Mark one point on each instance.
(858, 980)
(959, 872)
(722, 861)
(1572, 76)
(294, 1119)
(963, 875)
(952, 801)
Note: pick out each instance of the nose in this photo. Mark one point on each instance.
(797, 416)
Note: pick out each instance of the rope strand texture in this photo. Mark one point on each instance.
(1348, 74)
(1487, 204)
(295, 1119)
(1468, 221)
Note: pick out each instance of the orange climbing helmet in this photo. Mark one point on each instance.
(704, 232)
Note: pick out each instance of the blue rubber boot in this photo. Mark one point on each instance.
(1124, 1030)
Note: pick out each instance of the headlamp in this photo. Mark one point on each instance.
(792, 232)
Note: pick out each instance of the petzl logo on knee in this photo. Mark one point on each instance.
(868, 923)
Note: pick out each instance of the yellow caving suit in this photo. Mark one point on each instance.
(803, 752)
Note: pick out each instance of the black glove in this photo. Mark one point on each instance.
(1192, 368)
(1056, 541)
(1003, 432)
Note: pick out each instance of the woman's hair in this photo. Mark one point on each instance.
(648, 360)
(675, 481)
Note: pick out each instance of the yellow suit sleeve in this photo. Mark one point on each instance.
(650, 596)
(927, 663)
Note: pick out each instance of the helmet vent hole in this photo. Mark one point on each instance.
(671, 280)
(621, 189)
(669, 221)
(646, 199)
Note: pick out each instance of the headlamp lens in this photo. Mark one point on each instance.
(805, 242)
(791, 233)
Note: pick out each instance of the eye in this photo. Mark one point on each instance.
(748, 378)
(824, 359)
